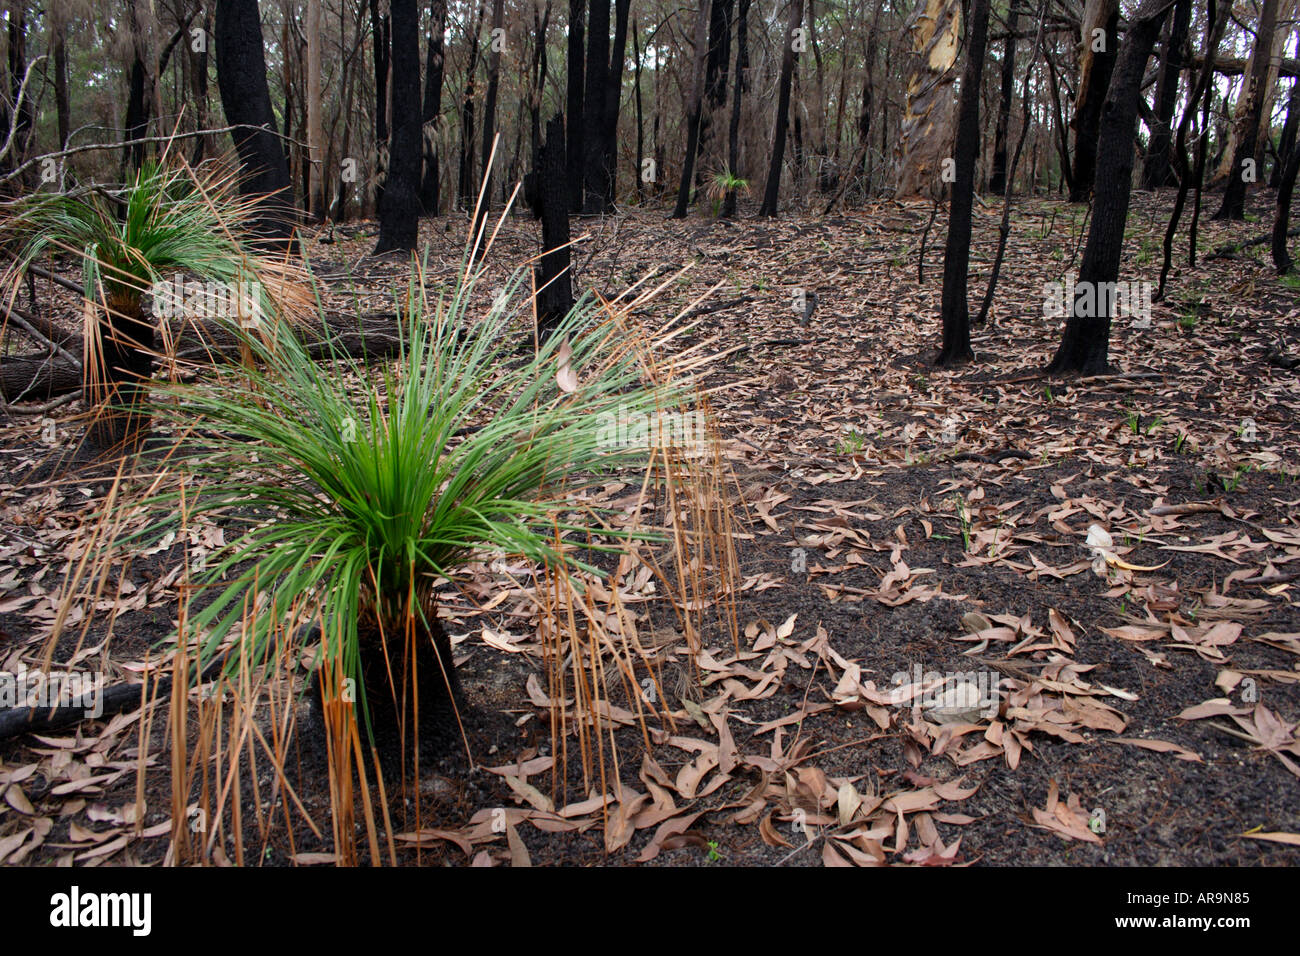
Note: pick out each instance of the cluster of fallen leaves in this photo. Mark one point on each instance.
(66, 780)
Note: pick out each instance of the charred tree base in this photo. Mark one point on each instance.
(411, 699)
(953, 357)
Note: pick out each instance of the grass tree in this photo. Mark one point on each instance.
(168, 221)
(355, 493)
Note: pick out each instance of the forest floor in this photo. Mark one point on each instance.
(896, 518)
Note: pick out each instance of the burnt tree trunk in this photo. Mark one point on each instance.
(716, 65)
(554, 281)
(1156, 169)
(1245, 159)
(1214, 25)
(613, 99)
(1091, 104)
(199, 91)
(773, 188)
(1085, 345)
(434, 69)
(490, 108)
(399, 209)
(241, 80)
(381, 36)
(733, 130)
(465, 191)
(136, 123)
(956, 259)
(693, 107)
(1282, 215)
(998, 174)
(574, 103)
(1287, 143)
(636, 95)
(60, 51)
(595, 177)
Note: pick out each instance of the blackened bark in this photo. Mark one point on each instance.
(636, 94)
(199, 89)
(998, 174)
(613, 99)
(772, 191)
(59, 43)
(716, 65)
(537, 80)
(399, 210)
(433, 75)
(381, 37)
(465, 186)
(136, 123)
(241, 80)
(554, 281)
(1245, 157)
(693, 112)
(1214, 25)
(1085, 345)
(17, 70)
(490, 110)
(1287, 143)
(1087, 122)
(1004, 227)
(121, 368)
(574, 102)
(1062, 139)
(738, 89)
(1156, 169)
(595, 178)
(956, 259)
(1282, 214)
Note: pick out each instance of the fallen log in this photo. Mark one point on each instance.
(34, 377)
(1230, 249)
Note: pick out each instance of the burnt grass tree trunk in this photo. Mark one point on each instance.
(1244, 159)
(574, 103)
(553, 278)
(117, 385)
(998, 174)
(1157, 170)
(410, 691)
(434, 68)
(1085, 344)
(772, 190)
(1087, 121)
(956, 259)
(399, 208)
(241, 81)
